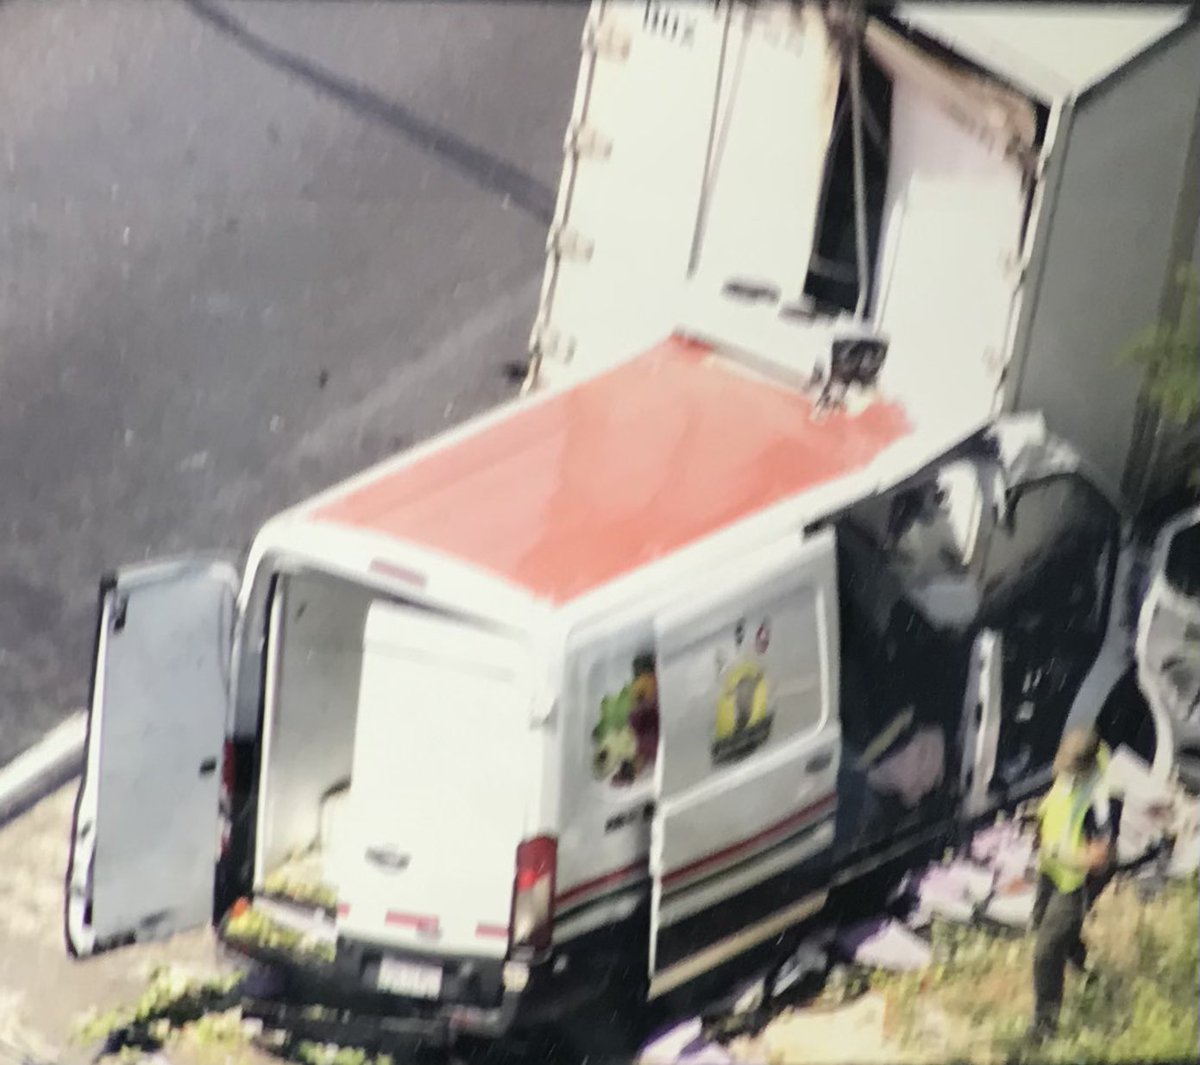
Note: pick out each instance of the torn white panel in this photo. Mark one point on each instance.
(1002, 118)
(1130, 779)
(947, 271)
(773, 124)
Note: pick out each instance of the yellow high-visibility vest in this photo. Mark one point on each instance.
(1061, 814)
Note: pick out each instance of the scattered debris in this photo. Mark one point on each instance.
(684, 1045)
(957, 891)
(885, 944)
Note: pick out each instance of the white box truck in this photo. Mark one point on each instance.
(1030, 189)
(618, 682)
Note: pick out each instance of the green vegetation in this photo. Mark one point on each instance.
(300, 891)
(974, 1003)
(171, 1004)
(332, 1054)
(1169, 353)
(254, 928)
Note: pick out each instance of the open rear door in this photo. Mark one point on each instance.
(1168, 647)
(145, 832)
(747, 768)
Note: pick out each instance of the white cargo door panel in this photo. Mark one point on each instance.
(631, 181)
(440, 784)
(145, 829)
(748, 763)
(778, 95)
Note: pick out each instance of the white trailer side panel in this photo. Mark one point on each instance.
(630, 183)
(679, 163)
(1107, 251)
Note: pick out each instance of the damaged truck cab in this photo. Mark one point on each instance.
(618, 681)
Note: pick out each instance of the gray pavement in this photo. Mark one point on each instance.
(247, 247)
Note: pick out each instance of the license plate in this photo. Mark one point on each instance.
(412, 981)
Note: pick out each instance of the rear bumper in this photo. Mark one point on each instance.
(439, 1029)
(474, 1004)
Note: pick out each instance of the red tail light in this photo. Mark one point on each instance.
(533, 894)
(228, 772)
(228, 779)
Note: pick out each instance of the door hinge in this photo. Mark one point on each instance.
(606, 41)
(549, 342)
(586, 142)
(568, 243)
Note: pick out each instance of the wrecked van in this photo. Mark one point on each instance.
(621, 679)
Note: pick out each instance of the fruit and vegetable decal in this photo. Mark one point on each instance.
(744, 710)
(625, 740)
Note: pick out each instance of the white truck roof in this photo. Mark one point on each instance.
(565, 493)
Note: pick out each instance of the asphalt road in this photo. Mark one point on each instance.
(247, 247)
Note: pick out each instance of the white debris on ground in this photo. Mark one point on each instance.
(885, 944)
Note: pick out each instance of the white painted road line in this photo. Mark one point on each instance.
(48, 764)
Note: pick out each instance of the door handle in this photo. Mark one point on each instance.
(821, 761)
(208, 766)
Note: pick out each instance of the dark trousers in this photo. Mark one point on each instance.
(1058, 919)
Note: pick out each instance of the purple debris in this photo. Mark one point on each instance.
(700, 1052)
(986, 843)
(953, 890)
(885, 944)
(989, 842)
(665, 1048)
(684, 1044)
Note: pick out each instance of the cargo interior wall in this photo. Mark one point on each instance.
(310, 730)
(1108, 252)
(948, 262)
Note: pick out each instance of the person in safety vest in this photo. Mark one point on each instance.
(1074, 850)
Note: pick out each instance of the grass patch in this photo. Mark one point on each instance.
(256, 929)
(974, 1002)
(174, 1007)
